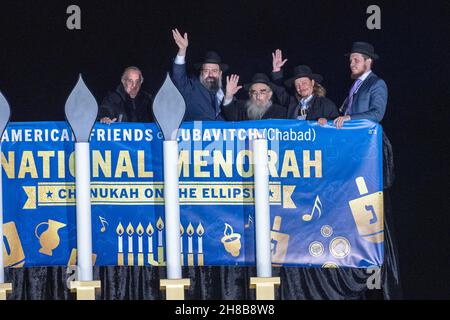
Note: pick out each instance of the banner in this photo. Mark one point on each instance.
(326, 196)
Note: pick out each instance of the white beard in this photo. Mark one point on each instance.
(255, 112)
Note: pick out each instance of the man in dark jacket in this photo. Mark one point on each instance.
(309, 102)
(258, 106)
(203, 94)
(128, 103)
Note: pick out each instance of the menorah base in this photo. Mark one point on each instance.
(174, 288)
(265, 287)
(85, 290)
(5, 288)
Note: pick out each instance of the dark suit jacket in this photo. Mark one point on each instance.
(370, 101)
(319, 107)
(237, 111)
(200, 102)
(118, 104)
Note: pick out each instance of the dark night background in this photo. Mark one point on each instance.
(40, 60)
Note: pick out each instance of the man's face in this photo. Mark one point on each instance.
(359, 65)
(210, 75)
(260, 94)
(132, 83)
(304, 86)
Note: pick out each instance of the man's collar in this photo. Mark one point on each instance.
(307, 99)
(365, 75)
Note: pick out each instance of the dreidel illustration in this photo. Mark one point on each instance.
(279, 242)
(368, 213)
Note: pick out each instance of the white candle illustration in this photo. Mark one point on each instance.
(181, 238)
(190, 233)
(200, 232)
(140, 233)
(160, 226)
(130, 232)
(149, 232)
(120, 231)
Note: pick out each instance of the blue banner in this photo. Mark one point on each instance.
(326, 198)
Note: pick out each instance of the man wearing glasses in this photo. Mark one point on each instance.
(128, 103)
(203, 95)
(258, 106)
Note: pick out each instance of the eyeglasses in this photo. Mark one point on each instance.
(131, 81)
(211, 71)
(255, 93)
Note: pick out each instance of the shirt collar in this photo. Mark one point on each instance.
(306, 100)
(365, 75)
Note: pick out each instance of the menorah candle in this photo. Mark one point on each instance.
(2, 266)
(160, 227)
(130, 232)
(149, 232)
(172, 209)
(119, 231)
(200, 232)
(81, 111)
(181, 243)
(190, 233)
(140, 233)
(5, 113)
(199, 238)
(262, 208)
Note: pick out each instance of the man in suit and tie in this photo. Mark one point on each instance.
(367, 98)
(203, 94)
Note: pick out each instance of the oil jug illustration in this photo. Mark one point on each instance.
(49, 239)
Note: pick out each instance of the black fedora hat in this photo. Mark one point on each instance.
(303, 71)
(363, 48)
(258, 78)
(212, 57)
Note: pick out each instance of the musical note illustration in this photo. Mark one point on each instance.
(317, 205)
(103, 222)
(249, 222)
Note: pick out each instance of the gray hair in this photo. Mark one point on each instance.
(132, 68)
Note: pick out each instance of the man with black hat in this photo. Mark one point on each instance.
(368, 95)
(309, 102)
(203, 95)
(258, 106)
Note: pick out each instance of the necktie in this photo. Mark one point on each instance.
(303, 109)
(354, 88)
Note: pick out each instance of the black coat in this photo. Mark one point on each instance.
(237, 111)
(319, 107)
(118, 104)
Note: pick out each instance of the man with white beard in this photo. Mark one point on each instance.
(258, 106)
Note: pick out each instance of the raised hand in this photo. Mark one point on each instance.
(181, 41)
(277, 60)
(232, 86)
(107, 120)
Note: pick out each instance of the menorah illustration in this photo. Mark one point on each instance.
(143, 238)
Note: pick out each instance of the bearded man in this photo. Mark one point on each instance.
(368, 95)
(258, 106)
(203, 94)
